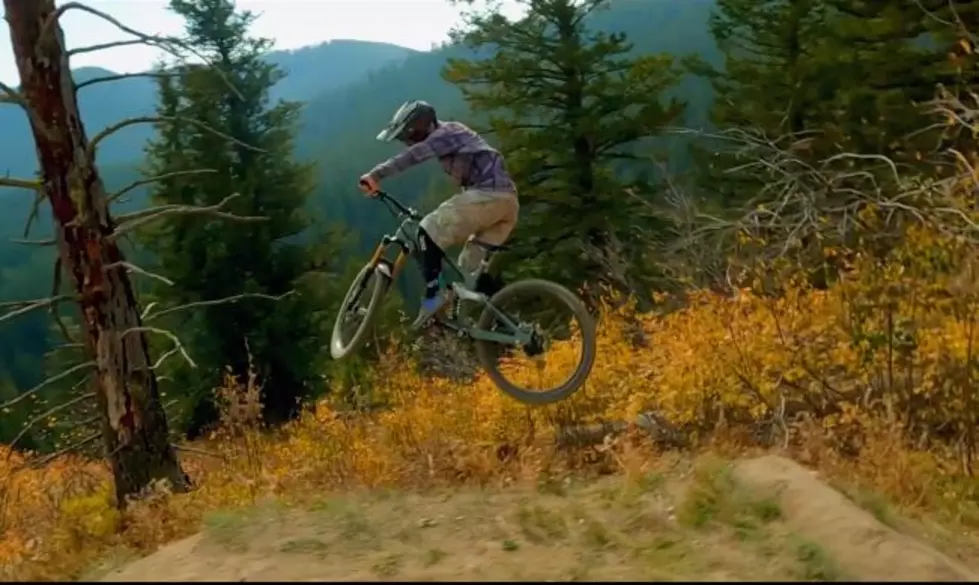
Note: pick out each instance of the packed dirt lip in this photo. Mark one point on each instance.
(870, 549)
(606, 530)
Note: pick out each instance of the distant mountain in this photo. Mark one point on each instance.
(331, 65)
(678, 27)
(311, 71)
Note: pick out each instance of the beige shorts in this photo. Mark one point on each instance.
(489, 216)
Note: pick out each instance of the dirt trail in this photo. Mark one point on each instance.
(859, 541)
(763, 519)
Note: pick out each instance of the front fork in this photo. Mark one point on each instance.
(380, 265)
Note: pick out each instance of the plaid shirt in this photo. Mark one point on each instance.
(464, 156)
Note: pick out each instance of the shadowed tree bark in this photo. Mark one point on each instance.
(134, 426)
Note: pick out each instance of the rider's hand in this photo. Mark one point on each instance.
(369, 185)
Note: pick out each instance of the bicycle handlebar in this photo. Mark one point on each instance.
(386, 197)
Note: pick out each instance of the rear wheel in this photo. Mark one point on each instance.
(357, 311)
(528, 303)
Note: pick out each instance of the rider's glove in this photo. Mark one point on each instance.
(369, 185)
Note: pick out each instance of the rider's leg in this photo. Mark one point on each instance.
(440, 229)
(450, 224)
(431, 261)
(505, 211)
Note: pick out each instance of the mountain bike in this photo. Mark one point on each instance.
(500, 336)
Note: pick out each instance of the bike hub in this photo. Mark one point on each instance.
(535, 347)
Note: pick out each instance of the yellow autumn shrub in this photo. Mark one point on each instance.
(872, 375)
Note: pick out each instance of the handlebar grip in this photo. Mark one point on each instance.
(378, 192)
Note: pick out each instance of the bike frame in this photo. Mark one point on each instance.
(406, 239)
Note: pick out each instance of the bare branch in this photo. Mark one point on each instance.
(803, 204)
(147, 309)
(132, 221)
(176, 341)
(63, 347)
(136, 184)
(117, 77)
(82, 423)
(29, 184)
(19, 308)
(47, 382)
(50, 412)
(147, 316)
(9, 95)
(957, 23)
(49, 242)
(171, 45)
(167, 355)
(73, 447)
(103, 46)
(198, 451)
(39, 196)
(21, 304)
(156, 119)
(136, 269)
(35, 209)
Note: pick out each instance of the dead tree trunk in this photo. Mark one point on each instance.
(134, 425)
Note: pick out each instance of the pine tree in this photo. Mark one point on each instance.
(219, 260)
(898, 53)
(770, 85)
(566, 105)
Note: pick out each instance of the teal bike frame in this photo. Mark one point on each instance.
(405, 238)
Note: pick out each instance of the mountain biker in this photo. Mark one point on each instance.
(486, 208)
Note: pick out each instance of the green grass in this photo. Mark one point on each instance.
(715, 497)
(815, 564)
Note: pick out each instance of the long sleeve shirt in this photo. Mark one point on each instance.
(463, 154)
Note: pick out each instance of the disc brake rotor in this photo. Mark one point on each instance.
(537, 344)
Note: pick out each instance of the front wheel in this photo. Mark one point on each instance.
(526, 303)
(357, 311)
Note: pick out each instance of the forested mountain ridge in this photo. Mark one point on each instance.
(348, 97)
(310, 71)
(800, 279)
(25, 271)
(349, 89)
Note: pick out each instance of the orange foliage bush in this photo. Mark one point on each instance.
(881, 363)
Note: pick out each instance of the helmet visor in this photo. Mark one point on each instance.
(390, 133)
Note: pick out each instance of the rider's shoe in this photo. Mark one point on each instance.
(430, 307)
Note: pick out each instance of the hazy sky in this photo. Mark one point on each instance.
(292, 23)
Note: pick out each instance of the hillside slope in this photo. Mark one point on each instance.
(762, 519)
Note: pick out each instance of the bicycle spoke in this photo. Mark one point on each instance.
(355, 313)
(551, 358)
